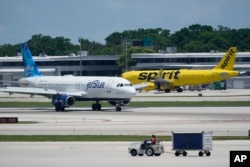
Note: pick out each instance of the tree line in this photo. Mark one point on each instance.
(194, 38)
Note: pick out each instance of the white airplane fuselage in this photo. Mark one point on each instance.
(90, 87)
(66, 90)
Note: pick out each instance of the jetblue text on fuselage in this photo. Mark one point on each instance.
(95, 84)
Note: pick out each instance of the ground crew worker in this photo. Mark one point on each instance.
(153, 139)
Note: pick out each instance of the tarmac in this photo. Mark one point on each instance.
(111, 154)
(230, 121)
(205, 95)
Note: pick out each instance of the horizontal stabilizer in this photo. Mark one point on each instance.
(242, 72)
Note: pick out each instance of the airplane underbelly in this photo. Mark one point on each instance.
(103, 94)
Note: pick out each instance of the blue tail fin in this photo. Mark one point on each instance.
(30, 68)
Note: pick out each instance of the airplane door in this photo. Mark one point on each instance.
(109, 85)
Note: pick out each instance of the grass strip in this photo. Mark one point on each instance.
(138, 104)
(95, 138)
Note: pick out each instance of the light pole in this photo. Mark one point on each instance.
(126, 51)
(124, 43)
(80, 53)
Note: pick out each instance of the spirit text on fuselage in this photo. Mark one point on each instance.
(152, 75)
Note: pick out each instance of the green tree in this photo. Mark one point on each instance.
(9, 50)
(114, 39)
(40, 44)
(243, 41)
(194, 38)
(194, 46)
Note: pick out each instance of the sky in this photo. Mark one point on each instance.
(96, 19)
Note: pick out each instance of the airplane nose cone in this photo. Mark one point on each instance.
(129, 93)
(132, 92)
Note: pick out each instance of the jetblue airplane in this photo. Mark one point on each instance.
(66, 90)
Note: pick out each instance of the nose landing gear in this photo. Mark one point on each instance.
(118, 106)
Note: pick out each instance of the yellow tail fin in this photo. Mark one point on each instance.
(227, 61)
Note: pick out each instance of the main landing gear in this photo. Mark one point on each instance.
(97, 106)
(59, 108)
(179, 90)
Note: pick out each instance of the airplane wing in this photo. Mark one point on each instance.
(39, 91)
(162, 81)
(157, 83)
(140, 86)
(162, 84)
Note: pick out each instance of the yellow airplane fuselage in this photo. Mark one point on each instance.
(179, 78)
(169, 79)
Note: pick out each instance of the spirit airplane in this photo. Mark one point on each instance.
(175, 79)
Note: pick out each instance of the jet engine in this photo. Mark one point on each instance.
(62, 101)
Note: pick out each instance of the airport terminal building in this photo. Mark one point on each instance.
(11, 68)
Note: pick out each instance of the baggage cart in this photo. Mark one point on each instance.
(183, 142)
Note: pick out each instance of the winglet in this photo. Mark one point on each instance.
(30, 68)
(227, 62)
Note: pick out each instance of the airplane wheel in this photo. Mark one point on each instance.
(94, 107)
(57, 108)
(118, 108)
(98, 107)
(179, 90)
(167, 90)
